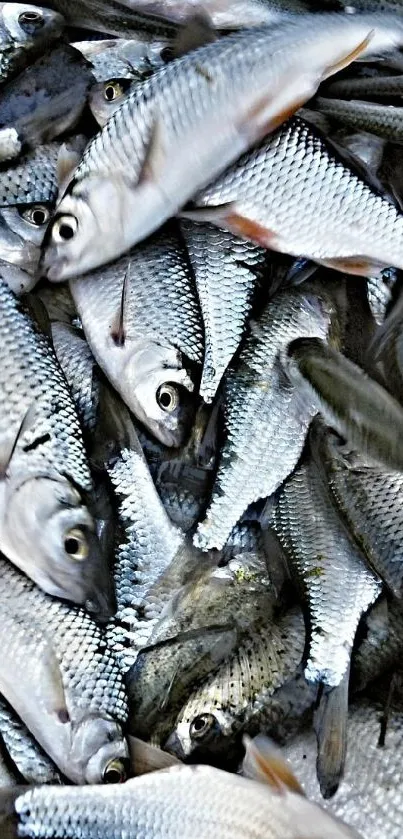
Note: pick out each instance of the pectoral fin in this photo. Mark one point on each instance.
(264, 762)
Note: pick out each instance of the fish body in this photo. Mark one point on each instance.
(112, 17)
(371, 87)
(31, 179)
(225, 269)
(122, 59)
(21, 234)
(181, 127)
(79, 367)
(60, 678)
(25, 31)
(141, 319)
(272, 194)
(380, 648)
(266, 423)
(235, 14)
(45, 526)
(28, 758)
(384, 120)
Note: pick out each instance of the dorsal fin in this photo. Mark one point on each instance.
(196, 32)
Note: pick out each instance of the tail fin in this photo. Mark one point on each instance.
(330, 724)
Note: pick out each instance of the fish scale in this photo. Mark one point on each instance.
(32, 179)
(29, 759)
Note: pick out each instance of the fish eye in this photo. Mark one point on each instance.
(168, 398)
(30, 21)
(114, 772)
(201, 725)
(64, 228)
(112, 90)
(167, 54)
(76, 544)
(37, 215)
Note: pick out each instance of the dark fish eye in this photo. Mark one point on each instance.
(167, 54)
(112, 90)
(114, 772)
(168, 398)
(37, 215)
(30, 21)
(64, 228)
(201, 725)
(75, 544)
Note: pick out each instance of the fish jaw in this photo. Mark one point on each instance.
(96, 742)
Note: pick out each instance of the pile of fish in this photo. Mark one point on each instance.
(201, 419)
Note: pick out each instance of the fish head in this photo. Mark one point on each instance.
(25, 25)
(99, 752)
(21, 232)
(50, 535)
(157, 388)
(105, 97)
(199, 733)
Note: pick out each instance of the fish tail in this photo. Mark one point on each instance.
(330, 724)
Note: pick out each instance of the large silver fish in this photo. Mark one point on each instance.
(61, 679)
(273, 194)
(46, 528)
(142, 322)
(180, 128)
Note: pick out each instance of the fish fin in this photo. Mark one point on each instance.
(355, 405)
(67, 161)
(330, 724)
(118, 333)
(359, 265)
(8, 815)
(196, 32)
(39, 313)
(115, 425)
(386, 712)
(154, 156)
(347, 59)
(300, 271)
(387, 331)
(145, 758)
(227, 216)
(264, 762)
(9, 441)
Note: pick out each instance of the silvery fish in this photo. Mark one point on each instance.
(28, 759)
(81, 371)
(226, 271)
(59, 676)
(223, 14)
(384, 120)
(21, 234)
(121, 58)
(272, 196)
(107, 96)
(141, 319)
(25, 31)
(338, 587)
(180, 128)
(113, 17)
(191, 800)
(381, 646)
(46, 528)
(31, 179)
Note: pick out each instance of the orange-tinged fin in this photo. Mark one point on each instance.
(196, 32)
(267, 124)
(361, 266)
(330, 724)
(118, 332)
(228, 217)
(154, 157)
(264, 762)
(349, 58)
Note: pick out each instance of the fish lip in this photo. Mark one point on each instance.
(52, 267)
(101, 603)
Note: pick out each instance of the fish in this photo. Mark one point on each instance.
(369, 797)
(338, 587)
(280, 380)
(380, 648)
(271, 196)
(21, 234)
(142, 322)
(367, 87)
(106, 97)
(127, 59)
(233, 700)
(60, 678)
(202, 624)
(112, 17)
(25, 31)
(79, 367)
(226, 270)
(177, 795)
(143, 165)
(46, 528)
(383, 120)
(224, 14)
(31, 178)
(29, 761)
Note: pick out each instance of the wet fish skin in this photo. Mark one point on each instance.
(167, 799)
(124, 59)
(79, 367)
(144, 350)
(45, 472)
(22, 39)
(237, 698)
(235, 14)
(384, 120)
(370, 501)
(271, 196)
(265, 422)
(29, 760)
(373, 87)
(61, 679)
(113, 17)
(32, 179)
(380, 648)
(151, 155)
(226, 270)
(21, 234)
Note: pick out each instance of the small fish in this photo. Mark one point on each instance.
(271, 196)
(45, 526)
(384, 120)
(338, 587)
(106, 97)
(141, 319)
(192, 800)
(181, 127)
(29, 760)
(226, 270)
(60, 678)
(122, 59)
(25, 32)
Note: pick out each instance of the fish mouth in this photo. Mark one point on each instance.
(101, 603)
(53, 267)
